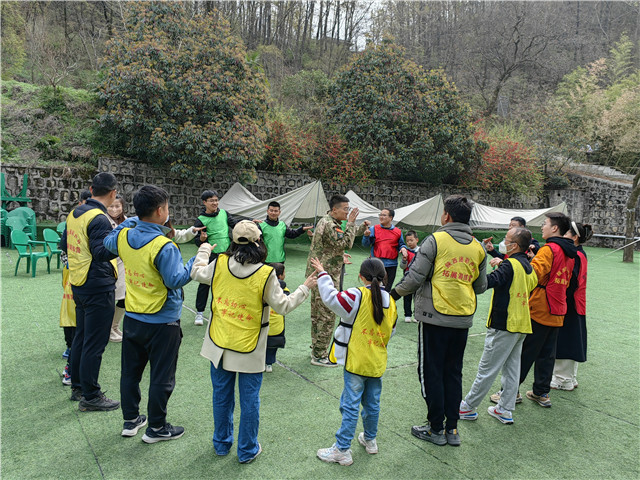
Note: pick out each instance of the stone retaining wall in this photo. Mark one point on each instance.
(54, 192)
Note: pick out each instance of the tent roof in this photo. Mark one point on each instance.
(486, 217)
(367, 211)
(303, 204)
(420, 215)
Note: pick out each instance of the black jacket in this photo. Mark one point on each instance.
(101, 277)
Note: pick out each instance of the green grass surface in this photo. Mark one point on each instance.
(591, 432)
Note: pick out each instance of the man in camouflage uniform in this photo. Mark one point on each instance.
(328, 245)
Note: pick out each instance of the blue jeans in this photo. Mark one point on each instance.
(249, 384)
(358, 389)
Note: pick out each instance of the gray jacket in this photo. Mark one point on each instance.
(418, 279)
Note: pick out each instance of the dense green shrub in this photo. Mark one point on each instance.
(178, 89)
(407, 123)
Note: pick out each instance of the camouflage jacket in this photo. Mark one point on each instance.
(330, 241)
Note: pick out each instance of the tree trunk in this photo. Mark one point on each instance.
(627, 256)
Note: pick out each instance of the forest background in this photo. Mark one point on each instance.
(491, 95)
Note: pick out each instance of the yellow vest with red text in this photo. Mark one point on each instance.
(146, 291)
(454, 271)
(78, 250)
(276, 321)
(367, 346)
(236, 307)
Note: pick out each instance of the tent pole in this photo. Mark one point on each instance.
(315, 215)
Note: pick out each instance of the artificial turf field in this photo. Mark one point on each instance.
(591, 432)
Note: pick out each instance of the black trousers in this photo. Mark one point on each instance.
(203, 290)
(94, 315)
(440, 354)
(69, 333)
(156, 344)
(406, 300)
(391, 277)
(539, 347)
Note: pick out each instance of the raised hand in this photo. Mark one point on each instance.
(353, 214)
(315, 263)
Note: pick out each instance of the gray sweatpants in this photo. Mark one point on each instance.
(502, 351)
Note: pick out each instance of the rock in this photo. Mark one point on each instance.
(81, 154)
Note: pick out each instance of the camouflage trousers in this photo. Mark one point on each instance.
(322, 322)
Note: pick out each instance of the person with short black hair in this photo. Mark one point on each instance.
(500, 255)
(84, 196)
(386, 242)
(448, 272)
(92, 274)
(411, 240)
(276, 338)
(548, 305)
(243, 290)
(508, 324)
(217, 222)
(328, 245)
(274, 231)
(155, 275)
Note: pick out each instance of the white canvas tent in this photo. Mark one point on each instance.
(420, 215)
(367, 211)
(484, 217)
(303, 204)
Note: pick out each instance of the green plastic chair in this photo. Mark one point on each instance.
(29, 216)
(4, 231)
(52, 239)
(17, 224)
(60, 228)
(24, 246)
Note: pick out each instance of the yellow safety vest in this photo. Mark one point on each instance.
(367, 346)
(518, 316)
(276, 321)
(454, 271)
(78, 250)
(146, 291)
(236, 307)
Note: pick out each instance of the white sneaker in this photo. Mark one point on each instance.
(505, 417)
(334, 455)
(268, 368)
(199, 319)
(371, 446)
(407, 319)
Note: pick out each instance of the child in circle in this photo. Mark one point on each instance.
(367, 321)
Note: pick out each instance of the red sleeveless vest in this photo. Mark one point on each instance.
(580, 295)
(556, 287)
(386, 243)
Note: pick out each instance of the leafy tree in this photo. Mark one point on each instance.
(509, 164)
(408, 124)
(178, 89)
(13, 49)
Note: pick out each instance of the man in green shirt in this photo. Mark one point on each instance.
(217, 223)
(275, 231)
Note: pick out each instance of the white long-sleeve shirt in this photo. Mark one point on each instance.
(274, 297)
(346, 305)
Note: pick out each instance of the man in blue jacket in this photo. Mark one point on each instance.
(155, 275)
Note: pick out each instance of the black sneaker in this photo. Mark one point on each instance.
(424, 432)
(168, 432)
(130, 429)
(98, 404)
(76, 395)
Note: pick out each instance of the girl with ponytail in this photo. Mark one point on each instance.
(571, 347)
(367, 321)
